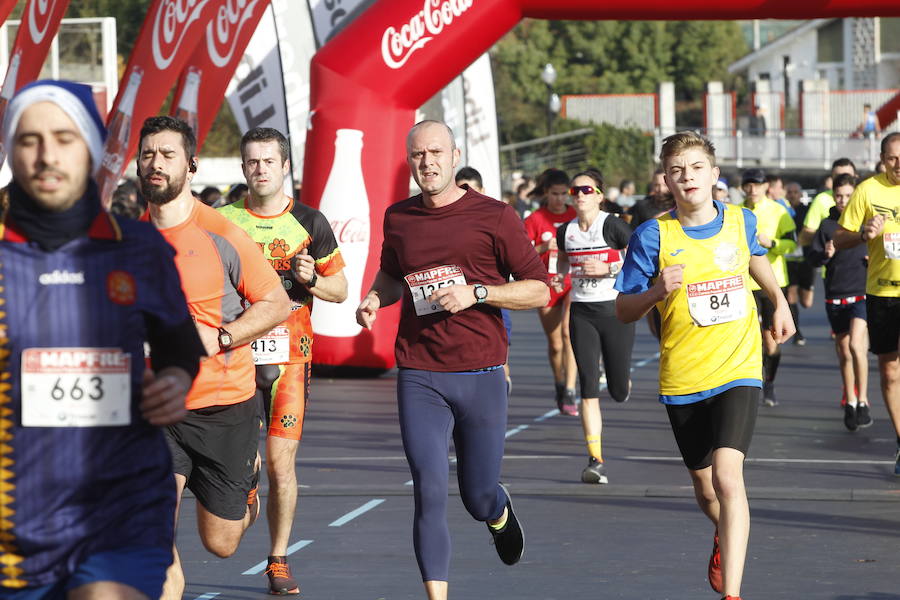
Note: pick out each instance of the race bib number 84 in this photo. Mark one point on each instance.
(76, 387)
(717, 301)
(423, 284)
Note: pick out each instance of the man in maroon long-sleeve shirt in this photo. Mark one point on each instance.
(448, 254)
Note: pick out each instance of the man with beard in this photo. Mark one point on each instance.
(215, 448)
(88, 500)
(299, 244)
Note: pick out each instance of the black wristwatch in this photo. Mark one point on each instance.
(312, 280)
(480, 293)
(225, 339)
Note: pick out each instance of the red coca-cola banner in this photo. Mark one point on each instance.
(40, 22)
(372, 75)
(209, 69)
(171, 31)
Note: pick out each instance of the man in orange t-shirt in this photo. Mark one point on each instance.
(214, 450)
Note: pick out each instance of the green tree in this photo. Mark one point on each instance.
(605, 57)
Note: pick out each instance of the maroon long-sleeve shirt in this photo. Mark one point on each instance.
(477, 236)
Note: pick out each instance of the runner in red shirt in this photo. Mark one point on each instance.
(541, 228)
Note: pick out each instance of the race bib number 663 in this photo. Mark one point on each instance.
(76, 387)
(422, 284)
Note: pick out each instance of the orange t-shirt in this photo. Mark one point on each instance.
(221, 270)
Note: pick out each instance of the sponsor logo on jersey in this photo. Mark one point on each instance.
(58, 277)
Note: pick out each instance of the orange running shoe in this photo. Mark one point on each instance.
(714, 573)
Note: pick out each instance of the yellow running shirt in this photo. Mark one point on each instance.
(877, 195)
(710, 330)
(774, 221)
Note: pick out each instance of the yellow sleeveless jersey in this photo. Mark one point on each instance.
(710, 330)
(877, 195)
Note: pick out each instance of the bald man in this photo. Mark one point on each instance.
(451, 343)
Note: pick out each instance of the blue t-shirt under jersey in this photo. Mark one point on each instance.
(642, 266)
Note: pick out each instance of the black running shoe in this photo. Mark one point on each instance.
(595, 472)
(850, 419)
(768, 398)
(509, 541)
(799, 340)
(863, 416)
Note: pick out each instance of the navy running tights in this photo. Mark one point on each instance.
(470, 407)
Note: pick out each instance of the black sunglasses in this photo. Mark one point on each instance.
(584, 189)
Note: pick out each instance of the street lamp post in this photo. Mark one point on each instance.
(548, 76)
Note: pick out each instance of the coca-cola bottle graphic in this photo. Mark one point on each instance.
(187, 103)
(9, 88)
(117, 140)
(346, 206)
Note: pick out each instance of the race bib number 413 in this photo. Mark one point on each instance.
(76, 387)
(717, 301)
(273, 348)
(422, 284)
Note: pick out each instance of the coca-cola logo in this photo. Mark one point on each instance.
(398, 45)
(224, 30)
(39, 12)
(351, 231)
(170, 25)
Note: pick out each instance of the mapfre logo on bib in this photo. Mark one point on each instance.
(170, 25)
(223, 31)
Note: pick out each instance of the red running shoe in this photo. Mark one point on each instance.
(714, 573)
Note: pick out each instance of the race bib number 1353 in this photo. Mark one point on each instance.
(422, 284)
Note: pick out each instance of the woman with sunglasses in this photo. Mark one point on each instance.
(592, 249)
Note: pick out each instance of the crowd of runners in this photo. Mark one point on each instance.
(145, 354)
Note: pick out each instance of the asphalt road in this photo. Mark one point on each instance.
(825, 504)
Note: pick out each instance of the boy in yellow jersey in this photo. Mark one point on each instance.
(695, 264)
(873, 217)
(776, 232)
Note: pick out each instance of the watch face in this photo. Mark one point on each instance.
(480, 292)
(225, 339)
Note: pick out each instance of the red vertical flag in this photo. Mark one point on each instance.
(40, 22)
(6, 7)
(209, 69)
(171, 31)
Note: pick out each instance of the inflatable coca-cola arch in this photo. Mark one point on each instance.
(373, 75)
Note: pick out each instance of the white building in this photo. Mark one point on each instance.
(851, 54)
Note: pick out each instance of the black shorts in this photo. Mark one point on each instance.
(884, 323)
(801, 274)
(764, 308)
(215, 449)
(722, 421)
(840, 315)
